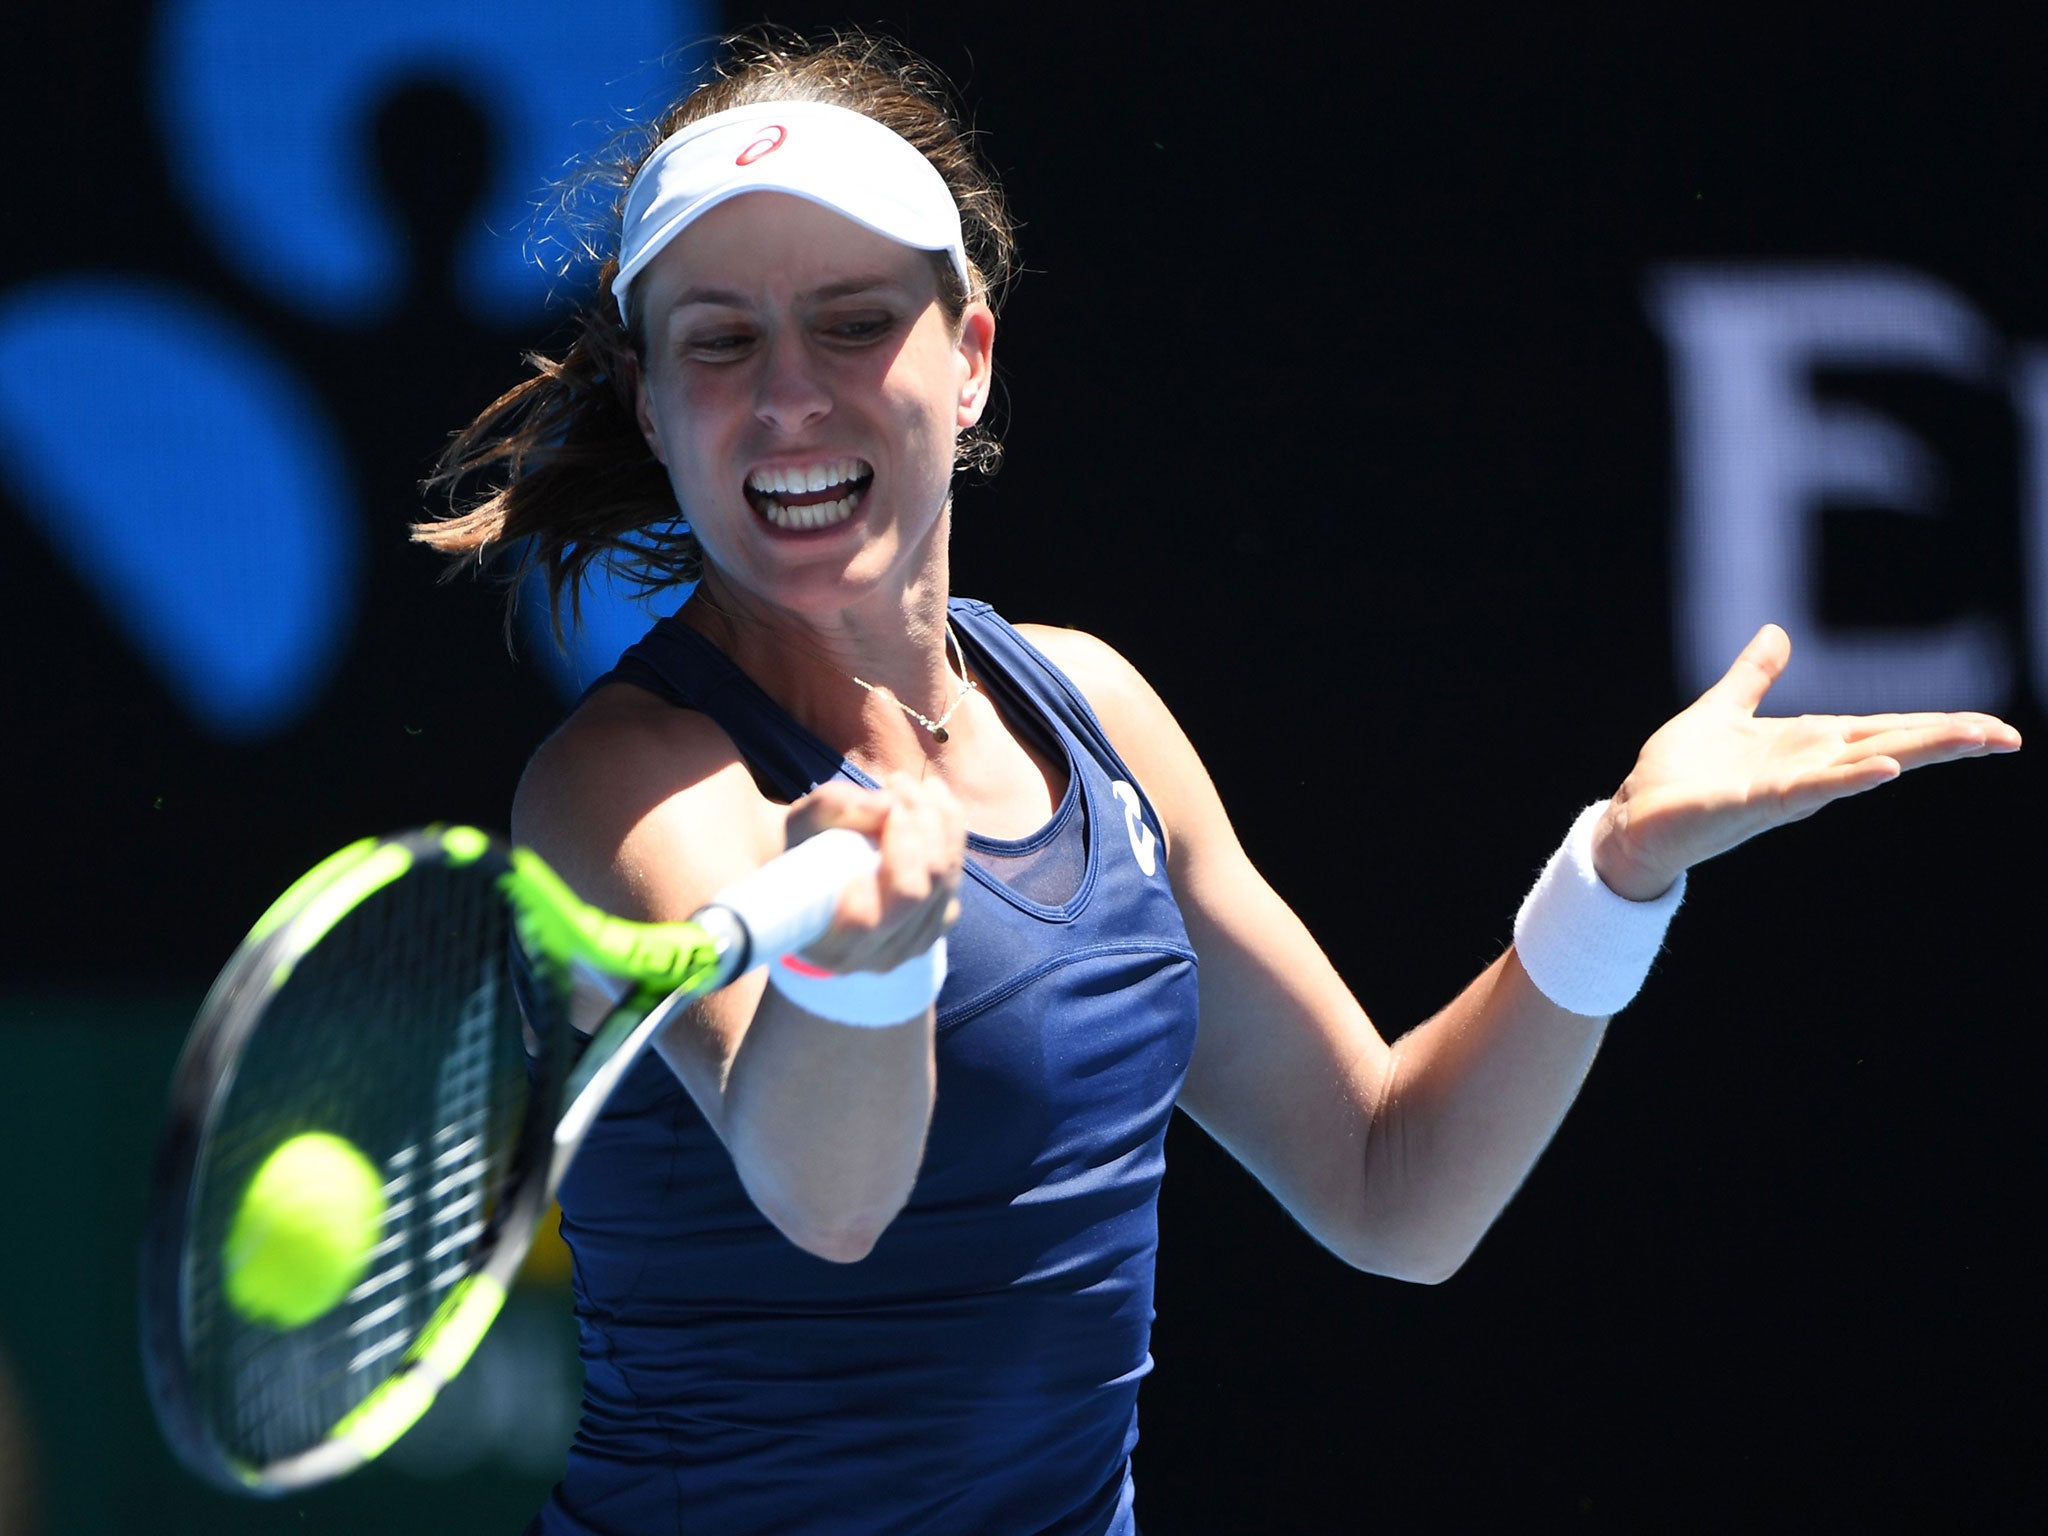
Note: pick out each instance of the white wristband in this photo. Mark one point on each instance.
(1587, 949)
(864, 999)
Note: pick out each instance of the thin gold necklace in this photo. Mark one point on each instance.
(937, 727)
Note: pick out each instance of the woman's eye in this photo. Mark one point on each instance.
(719, 344)
(860, 328)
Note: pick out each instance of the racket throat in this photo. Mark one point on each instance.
(629, 1030)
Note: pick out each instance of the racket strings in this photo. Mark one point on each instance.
(460, 1164)
(399, 1030)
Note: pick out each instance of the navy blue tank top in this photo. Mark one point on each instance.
(978, 1371)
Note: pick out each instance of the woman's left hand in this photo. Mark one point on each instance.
(1718, 774)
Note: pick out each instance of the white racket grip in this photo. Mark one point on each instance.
(789, 901)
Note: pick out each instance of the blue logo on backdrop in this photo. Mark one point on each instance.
(189, 476)
(179, 462)
(267, 110)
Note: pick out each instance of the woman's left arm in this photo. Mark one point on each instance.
(1398, 1156)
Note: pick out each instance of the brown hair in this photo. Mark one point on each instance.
(557, 463)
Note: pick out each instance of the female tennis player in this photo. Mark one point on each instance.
(869, 1246)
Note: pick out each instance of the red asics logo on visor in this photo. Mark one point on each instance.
(767, 144)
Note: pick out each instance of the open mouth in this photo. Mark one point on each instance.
(807, 497)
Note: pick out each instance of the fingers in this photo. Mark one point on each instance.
(1852, 755)
(1968, 734)
(912, 897)
(837, 804)
(1826, 785)
(1918, 741)
(1864, 727)
(1761, 664)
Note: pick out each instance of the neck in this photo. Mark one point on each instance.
(841, 671)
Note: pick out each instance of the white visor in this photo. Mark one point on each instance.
(832, 156)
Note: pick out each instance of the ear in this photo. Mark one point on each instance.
(975, 352)
(643, 408)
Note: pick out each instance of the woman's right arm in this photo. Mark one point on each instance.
(647, 811)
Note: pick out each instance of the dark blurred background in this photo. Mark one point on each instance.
(1428, 402)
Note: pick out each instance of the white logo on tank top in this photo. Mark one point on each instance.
(1144, 845)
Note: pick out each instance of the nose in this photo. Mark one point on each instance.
(792, 392)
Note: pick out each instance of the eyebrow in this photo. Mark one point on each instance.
(728, 298)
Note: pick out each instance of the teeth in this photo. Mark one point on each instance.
(796, 481)
(821, 515)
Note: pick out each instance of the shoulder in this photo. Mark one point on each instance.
(1139, 725)
(643, 807)
(1114, 689)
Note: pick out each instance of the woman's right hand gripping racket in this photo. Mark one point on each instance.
(374, 1108)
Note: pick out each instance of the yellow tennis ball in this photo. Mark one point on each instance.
(301, 1238)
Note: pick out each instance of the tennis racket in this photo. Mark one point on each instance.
(410, 994)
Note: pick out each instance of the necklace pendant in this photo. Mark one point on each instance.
(939, 733)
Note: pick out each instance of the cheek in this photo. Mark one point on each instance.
(923, 395)
(922, 428)
(689, 424)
